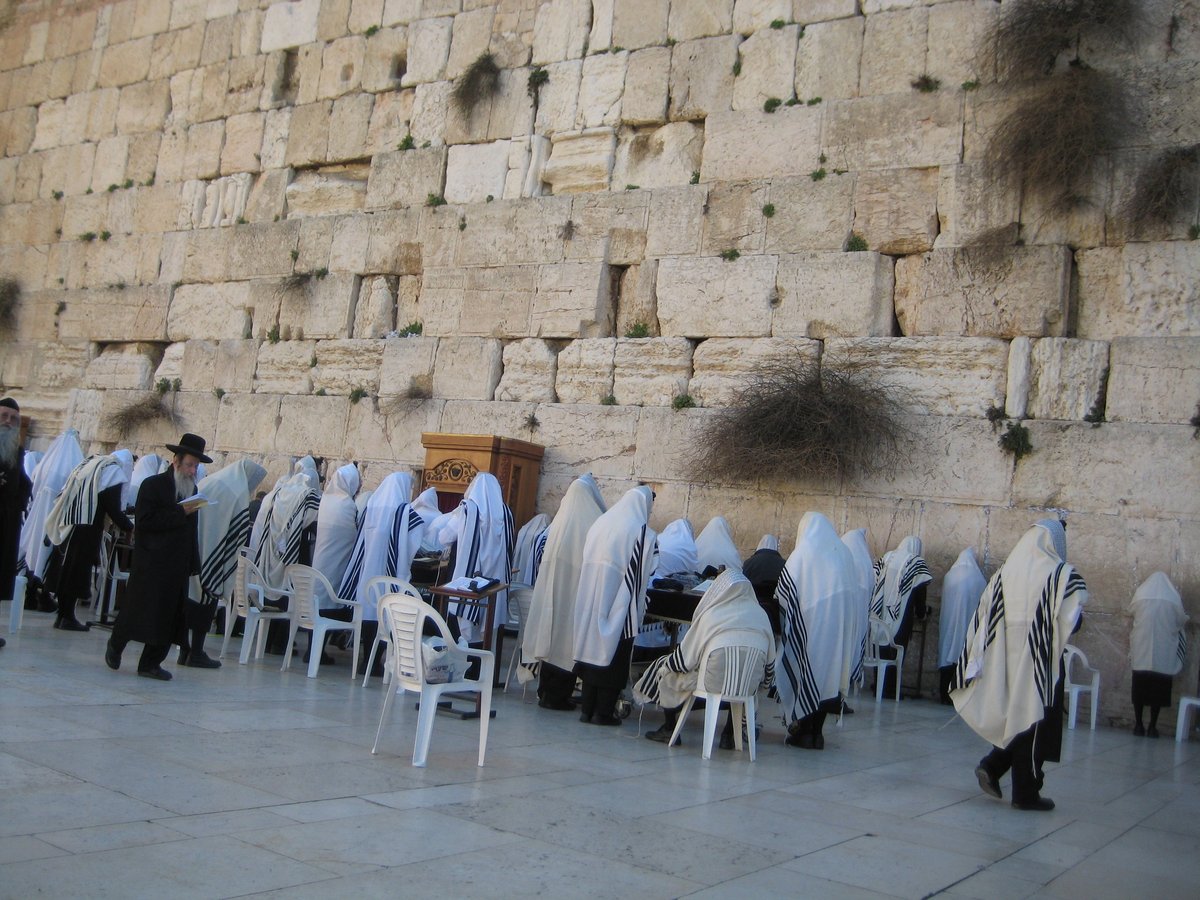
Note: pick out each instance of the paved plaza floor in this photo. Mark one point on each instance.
(249, 781)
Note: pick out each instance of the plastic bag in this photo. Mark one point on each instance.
(443, 662)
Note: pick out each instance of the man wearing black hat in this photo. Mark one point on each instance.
(14, 494)
(166, 553)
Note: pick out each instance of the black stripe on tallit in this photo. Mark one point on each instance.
(221, 562)
(1181, 647)
(989, 615)
(1041, 636)
(794, 660)
(348, 589)
(539, 549)
(877, 594)
(633, 585)
(295, 529)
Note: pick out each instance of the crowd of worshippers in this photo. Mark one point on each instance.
(815, 619)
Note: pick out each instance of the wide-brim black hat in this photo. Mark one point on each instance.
(192, 445)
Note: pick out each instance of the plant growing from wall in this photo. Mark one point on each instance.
(638, 330)
(10, 297)
(771, 104)
(1167, 188)
(531, 422)
(610, 400)
(1015, 440)
(478, 83)
(144, 411)
(731, 254)
(683, 401)
(357, 394)
(412, 329)
(768, 210)
(856, 243)
(926, 84)
(538, 78)
(407, 143)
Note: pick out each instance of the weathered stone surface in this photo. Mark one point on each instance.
(143, 107)
(476, 171)
(390, 119)
(406, 370)
(330, 190)
(601, 86)
(471, 35)
(530, 367)
(347, 365)
(722, 367)
(893, 53)
(948, 292)
(315, 425)
(560, 30)
(646, 86)
(735, 219)
(703, 18)
(583, 438)
(896, 210)
(955, 31)
(263, 250)
(572, 300)
(375, 313)
(558, 98)
(243, 143)
(709, 297)
(608, 226)
(1153, 379)
(663, 438)
(675, 221)
(108, 314)
(702, 77)
(211, 311)
(228, 365)
(930, 376)
(969, 204)
(467, 368)
(830, 294)
(659, 158)
(341, 67)
(406, 177)
(112, 154)
(125, 63)
(379, 66)
(753, 144)
(1140, 290)
(285, 367)
(1020, 362)
(754, 15)
(511, 233)
(651, 371)
(893, 131)
(348, 123)
(768, 67)
(321, 307)
(827, 63)
(428, 50)
(580, 161)
(1066, 377)
(810, 215)
(125, 366)
(389, 431)
(585, 371)
(638, 304)
(290, 25)
(391, 247)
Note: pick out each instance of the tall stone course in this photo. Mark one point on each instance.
(283, 206)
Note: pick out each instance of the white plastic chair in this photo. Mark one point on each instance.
(111, 573)
(304, 614)
(254, 599)
(1186, 705)
(407, 617)
(1075, 688)
(377, 588)
(873, 660)
(743, 673)
(519, 600)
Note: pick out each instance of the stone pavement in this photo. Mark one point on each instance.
(246, 781)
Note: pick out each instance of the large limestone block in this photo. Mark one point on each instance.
(442, 295)
(263, 250)
(389, 431)
(345, 365)
(580, 161)
(476, 171)
(268, 196)
(496, 301)
(406, 177)
(211, 311)
(143, 107)
(644, 101)
(348, 124)
(955, 31)
(572, 300)
(331, 190)
(768, 67)
(530, 367)
(375, 313)
(651, 371)
(308, 134)
(290, 24)
(585, 371)
(831, 294)
(660, 157)
(312, 425)
(893, 52)
(247, 422)
(930, 376)
(385, 51)
(561, 30)
(898, 131)
(827, 61)
(431, 113)
(601, 86)
(390, 117)
(341, 67)
(664, 439)
(467, 368)
(1140, 290)
(558, 98)
(676, 221)
(125, 63)
(1020, 364)
(810, 215)
(952, 292)
(512, 233)
(470, 38)
(1066, 377)
(321, 307)
(702, 77)
(112, 155)
(1076, 466)
(637, 303)
(1153, 379)
(754, 15)
(735, 219)
(391, 245)
(125, 366)
(608, 226)
(243, 143)
(724, 367)
(754, 144)
(406, 370)
(709, 297)
(639, 23)
(428, 50)
(969, 203)
(112, 314)
(588, 438)
(228, 365)
(896, 210)
(702, 18)
(285, 367)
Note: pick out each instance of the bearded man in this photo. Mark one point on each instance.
(166, 553)
(14, 493)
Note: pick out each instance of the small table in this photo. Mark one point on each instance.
(485, 598)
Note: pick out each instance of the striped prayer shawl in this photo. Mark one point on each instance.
(895, 611)
(989, 616)
(79, 499)
(1181, 648)
(474, 547)
(404, 519)
(634, 583)
(220, 564)
(649, 685)
(794, 662)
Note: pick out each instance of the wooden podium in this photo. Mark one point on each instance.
(452, 460)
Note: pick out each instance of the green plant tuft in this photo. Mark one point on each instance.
(638, 330)
(372, 31)
(273, 334)
(768, 210)
(971, 85)
(462, 224)
(321, 274)
(105, 235)
(411, 329)
(926, 84)
(357, 394)
(531, 422)
(295, 255)
(163, 385)
(610, 400)
(817, 174)
(218, 393)
(112, 187)
(88, 236)
(792, 101)
(731, 254)
(408, 143)
(57, 195)
(632, 187)
(242, 220)
(435, 200)
(1193, 232)
(10, 297)
(320, 392)
(737, 67)
(777, 23)
(695, 177)
(771, 104)
(538, 76)
(1168, 187)
(856, 243)
(683, 401)
(813, 101)
(1015, 440)
(140, 412)
(995, 414)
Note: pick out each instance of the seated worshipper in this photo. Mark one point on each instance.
(901, 577)
(716, 548)
(548, 650)
(728, 607)
(166, 553)
(961, 589)
(224, 527)
(75, 526)
(337, 524)
(15, 487)
(387, 542)
(762, 567)
(618, 557)
(1157, 647)
(62, 456)
(1008, 683)
(426, 506)
(307, 467)
(282, 535)
(677, 554)
(856, 541)
(816, 593)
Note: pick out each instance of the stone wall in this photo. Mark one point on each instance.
(258, 201)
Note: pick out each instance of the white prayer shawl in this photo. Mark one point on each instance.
(223, 525)
(482, 527)
(728, 607)
(550, 631)
(589, 481)
(898, 574)
(80, 496)
(337, 526)
(1158, 642)
(125, 458)
(62, 456)
(1009, 669)
(523, 554)
(716, 547)
(307, 467)
(360, 505)
(387, 542)
(150, 464)
(961, 589)
(32, 458)
(426, 506)
(768, 542)
(817, 590)
(618, 557)
(856, 541)
(677, 550)
(279, 529)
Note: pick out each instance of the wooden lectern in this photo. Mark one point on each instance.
(452, 460)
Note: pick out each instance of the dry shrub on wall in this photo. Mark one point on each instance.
(797, 419)
(1167, 188)
(1029, 35)
(10, 296)
(480, 82)
(136, 413)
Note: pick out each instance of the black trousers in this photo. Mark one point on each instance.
(1022, 757)
(554, 684)
(152, 654)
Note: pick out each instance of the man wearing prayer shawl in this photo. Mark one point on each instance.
(763, 567)
(618, 557)
(548, 650)
(677, 552)
(1157, 647)
(816, 594)
(337, 524)
(426, 506)
(150, 464)
(856, 541)
(728, 607)
(1008, 683)
(307, 467)
(15, 488)
(715, 546)
(901, 577)
(62, 456)
(75, 526)
(282, 535)
(526, 548)
(961, 589)
(224, 526)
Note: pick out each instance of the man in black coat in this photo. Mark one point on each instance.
(166, 553)
(14, 494)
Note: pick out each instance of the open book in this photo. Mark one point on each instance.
(196, 501)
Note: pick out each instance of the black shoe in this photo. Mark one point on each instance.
(803, 741)
(45, 604)
(157, 672)
(585, 718)
(563, 705)
(988, 784)
(71, 625)
(1152, 731)
(725, 742)
(112, 658)
(846, 710)
(2, 643)
(184, 654)
(818, 742)
(1139, 730)
(605, 719)
(662, 735)
(201, 660)
(1037, 804)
